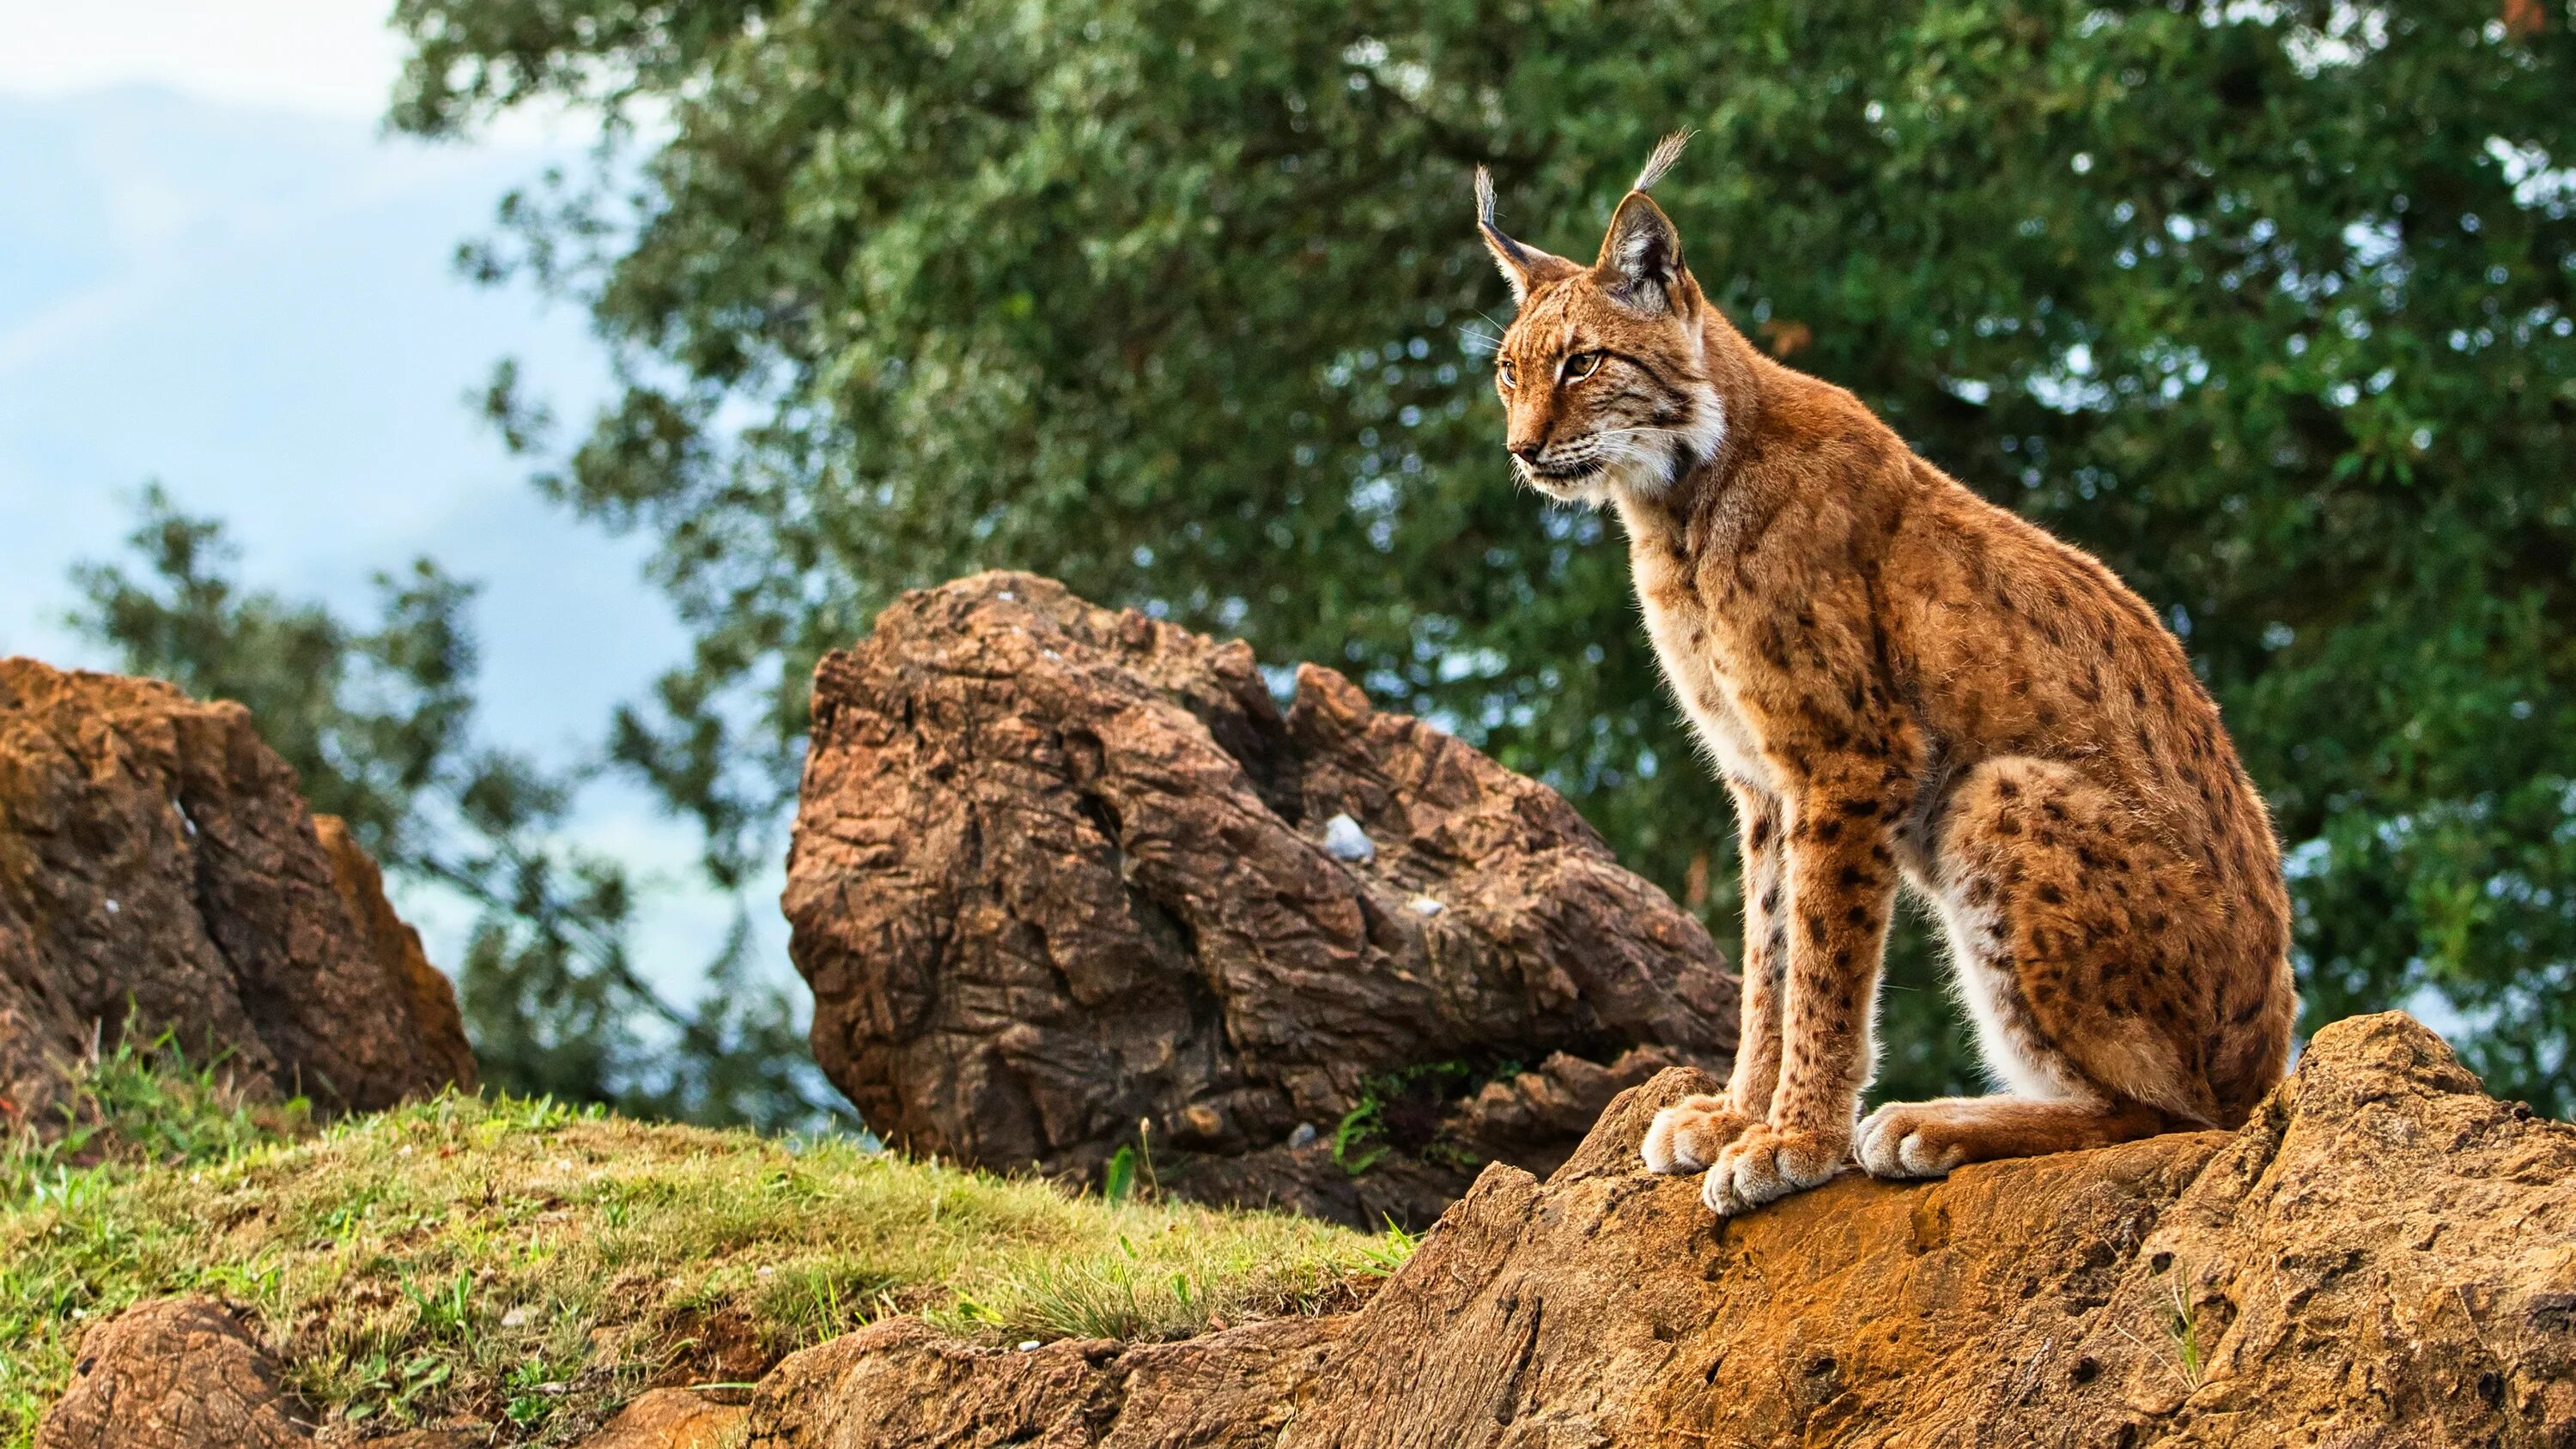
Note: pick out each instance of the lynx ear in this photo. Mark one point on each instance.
(1641, 258)
(1526, 268)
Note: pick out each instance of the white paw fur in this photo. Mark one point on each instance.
(1748, 1174)
(1687, 1136)
(1888, 1145)
(1666, 1148)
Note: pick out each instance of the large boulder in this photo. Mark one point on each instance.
(1065, 878)
(159, 871)
(2384, 1258)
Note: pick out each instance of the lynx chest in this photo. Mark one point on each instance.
(1695, 671)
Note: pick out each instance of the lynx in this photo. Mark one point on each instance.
(1901, 682)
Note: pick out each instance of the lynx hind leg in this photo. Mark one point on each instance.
(2079, 940)
(1928, 1139)
(1686, 1136)
(2064, 933)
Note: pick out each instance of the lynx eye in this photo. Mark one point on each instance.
(1581, 365)
(1510, 378)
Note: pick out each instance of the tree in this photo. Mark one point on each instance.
(2266, 303)
(378, 723)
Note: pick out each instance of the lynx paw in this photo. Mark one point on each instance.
(1686, 1136)
(1768, 1163)
(1904, 1139)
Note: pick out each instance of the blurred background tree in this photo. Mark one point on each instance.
(2266, 302)
(378, 720)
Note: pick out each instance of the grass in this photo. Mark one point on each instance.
(2184, 1330)
(2188, 1363)
(139, 1104)
(520, 1268)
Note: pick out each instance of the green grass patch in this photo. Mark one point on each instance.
(521, 1268)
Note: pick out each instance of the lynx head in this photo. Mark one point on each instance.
(1604, 372)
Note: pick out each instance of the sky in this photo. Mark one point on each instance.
(218, 272)
(316, 58)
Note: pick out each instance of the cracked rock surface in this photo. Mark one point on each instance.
(174, 1373)
(2384, 1257)
(156, 856)
(1060, 871)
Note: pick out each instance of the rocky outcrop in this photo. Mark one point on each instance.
(2383, 1257)
(425, 995)
(177, 1373)
(185, 1373)
(158, 864)
(670, 1419)
(1065, 878)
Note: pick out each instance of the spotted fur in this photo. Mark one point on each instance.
(1903, 684)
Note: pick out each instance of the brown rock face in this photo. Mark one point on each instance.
(427, 995)
(1059, 870)
(176, 1373)
(154, 853)
(668, 1419)
(2383, 1257)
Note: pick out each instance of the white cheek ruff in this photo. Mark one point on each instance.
(1657, 460)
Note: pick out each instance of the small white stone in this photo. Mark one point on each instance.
(1007, 596)
(1028, 1344)
(1304, 1137)
(1344, 840)
(112, 906)
(1425, 906)
(516, 1317)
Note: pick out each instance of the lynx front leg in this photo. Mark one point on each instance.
(1686, 1136)
(1841, 886)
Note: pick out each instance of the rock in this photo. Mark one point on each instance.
(898, 1382)
(1344, 840)
(426, 993)
(2383, 1256)
(175, 1373)
(1060, 871)
(668, 1419)
(154, 855)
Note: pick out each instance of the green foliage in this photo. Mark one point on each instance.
(521, 1267)
(2268, 304)
(1391, 1249)
(138, 1105)
(1118, 1179)
(1130, 1169)
(378, 723)
(1352, 1133)
(1419, 1092)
